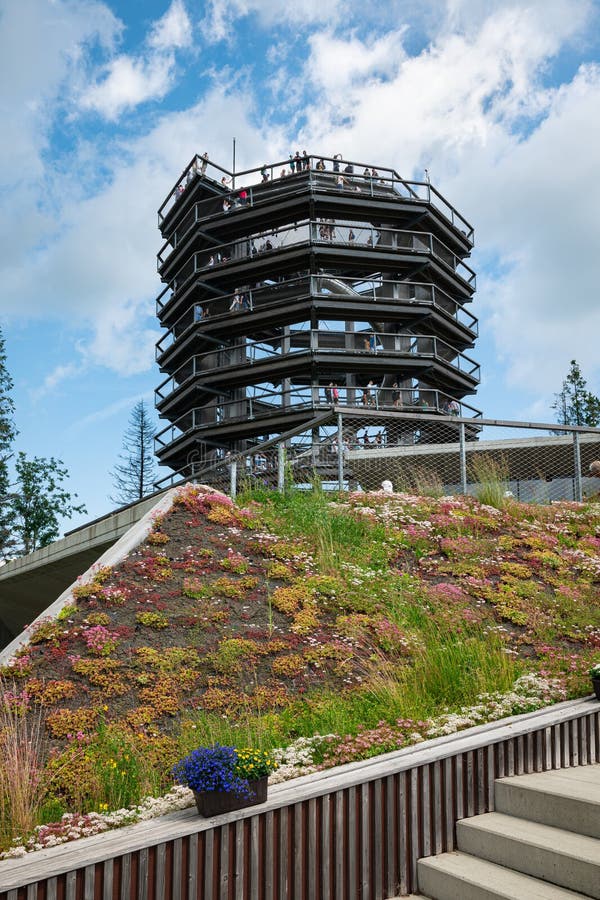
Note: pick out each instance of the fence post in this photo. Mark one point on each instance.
(280, 468)
(233, 478)
(578, 484)
(463, 458)
(340, 446)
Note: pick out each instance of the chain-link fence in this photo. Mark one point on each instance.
(416, 453)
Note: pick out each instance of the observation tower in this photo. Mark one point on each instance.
(288, 296)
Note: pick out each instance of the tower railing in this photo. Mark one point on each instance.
(247, 354)
(374, 289)
(228, 184)
(261, 401)
(213, 208)
(330, 233)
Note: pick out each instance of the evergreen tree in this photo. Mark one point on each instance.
(8, 433)
(38, 499)
(134, 475)
(574, 404)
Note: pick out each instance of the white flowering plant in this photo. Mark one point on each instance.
(595, 670)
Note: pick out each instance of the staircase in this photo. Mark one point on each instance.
(541, 843)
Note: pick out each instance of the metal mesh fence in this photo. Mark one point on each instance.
(531, 464)
(438, 455)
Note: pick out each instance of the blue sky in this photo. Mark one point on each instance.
(103, 104)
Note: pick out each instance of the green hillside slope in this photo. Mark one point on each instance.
(359, 622)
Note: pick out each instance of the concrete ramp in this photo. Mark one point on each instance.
(30, 585)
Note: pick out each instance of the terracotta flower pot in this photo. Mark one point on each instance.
(596, 684)
(213, 803)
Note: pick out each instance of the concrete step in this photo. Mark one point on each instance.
(550, 854)
(458, 876)
(569, 798)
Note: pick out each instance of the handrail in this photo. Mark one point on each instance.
(298, 450)
(315, 232)
(259, 401)
(174, 241)
(399, 805)
(232, 201)
(314, 285)
(332, 167)
(248, 353)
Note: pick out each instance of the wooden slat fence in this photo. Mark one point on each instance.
(348, 833)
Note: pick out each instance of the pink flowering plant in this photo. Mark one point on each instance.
(100, 640)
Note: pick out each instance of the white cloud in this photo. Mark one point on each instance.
(516, 157)
(40, 52)
(121, 341)
(538, 213)
(107, 412)
(457, 90)
(552, 16)
(60, 373)
(174, 30)
(97, 266)
(336, 63)
(222, 15)
(126, 81)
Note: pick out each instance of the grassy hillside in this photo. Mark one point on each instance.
(337, 627)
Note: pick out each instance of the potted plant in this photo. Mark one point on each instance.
(225, 778)
(595, 676)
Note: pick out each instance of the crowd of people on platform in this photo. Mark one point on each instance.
(373, 395)
(262, 243)
(298, 163)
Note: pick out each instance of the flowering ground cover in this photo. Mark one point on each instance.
(326, 628)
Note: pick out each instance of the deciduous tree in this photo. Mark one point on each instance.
(38, 499)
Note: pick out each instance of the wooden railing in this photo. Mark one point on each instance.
(351, 832)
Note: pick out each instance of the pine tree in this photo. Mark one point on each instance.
(8, 433)
(574, 404)
(134, 475)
